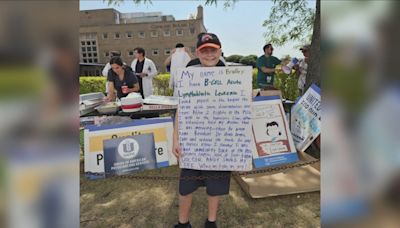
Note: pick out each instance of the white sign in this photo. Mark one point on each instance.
(215, 118)
(306, 118)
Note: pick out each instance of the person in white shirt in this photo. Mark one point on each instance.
(301, 68)
(179, 58)
(145, 71)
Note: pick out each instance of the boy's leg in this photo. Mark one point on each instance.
(185, 203)
(212, 208)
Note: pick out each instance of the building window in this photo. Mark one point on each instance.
(87, 42)
(89, 54)
(193, 49)
(90, 60)
(130, 53)
(94, 49)
(154, 34)
(155, 51)
(84, 60)
(167, 51)
(84, 54)
(83, 49)
(105, 36)
(83, 43)
(167, 33)
(95, 54)
(106, 54)
(179, 32)
(89, 48)
(129, 35)
(95, 60)
(192, 31)
(142, 35)
(116, 35)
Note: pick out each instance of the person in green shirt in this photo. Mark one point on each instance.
(266, 68)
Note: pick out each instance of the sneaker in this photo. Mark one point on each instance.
(184, 225)
(209, 224)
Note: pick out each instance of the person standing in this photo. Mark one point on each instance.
(208, 52)
(179, 58)
(145, 71)
(301, 68)
(266, 68)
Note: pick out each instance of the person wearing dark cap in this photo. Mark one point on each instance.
(208, 52)
(301, 68)
(266, 68)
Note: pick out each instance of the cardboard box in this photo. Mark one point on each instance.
(271, 93)
(289, 181)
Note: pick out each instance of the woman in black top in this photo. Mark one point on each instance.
(120, 78)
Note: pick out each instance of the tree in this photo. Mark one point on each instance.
(249, 60)
(288, 20)
(234, 58)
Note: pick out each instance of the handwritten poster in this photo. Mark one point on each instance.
(306, 118)
(215, 118)
(274, 144)
(94, 136)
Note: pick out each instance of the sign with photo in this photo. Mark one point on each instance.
(306, 118)
(215, 118)
(130, 154)
(273, 141)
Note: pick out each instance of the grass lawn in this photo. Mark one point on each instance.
(123, 202)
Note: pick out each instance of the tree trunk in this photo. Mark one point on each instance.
(313, 71)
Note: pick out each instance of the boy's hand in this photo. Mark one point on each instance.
(176, 149)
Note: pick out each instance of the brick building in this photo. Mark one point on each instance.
(105, 30)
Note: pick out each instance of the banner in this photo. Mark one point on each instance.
(273, 141)
(305, 121)
(162, 129)
(214, 117)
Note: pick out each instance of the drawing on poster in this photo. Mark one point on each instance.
(270, 130)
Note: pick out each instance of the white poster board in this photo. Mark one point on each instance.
(215, 118)
(306, 118)
(273, 140)
(162, 128)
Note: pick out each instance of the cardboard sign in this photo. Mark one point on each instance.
(214, 118)
(162, 129)
(129, 154)
(274, 143)
(306, 118)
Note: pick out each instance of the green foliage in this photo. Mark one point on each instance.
(255, 71)
(249, 60)
(287, 84)
(234, 58)
(289, 20)
(161, 85)
(92, 84)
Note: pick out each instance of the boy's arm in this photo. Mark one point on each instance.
(176, 149)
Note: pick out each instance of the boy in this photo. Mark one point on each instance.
(208, 52)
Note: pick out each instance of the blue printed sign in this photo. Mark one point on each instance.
(306, 118)
(129, 154)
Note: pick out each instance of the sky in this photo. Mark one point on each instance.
(239, 28)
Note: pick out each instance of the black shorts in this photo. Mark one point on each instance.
(216, 182)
